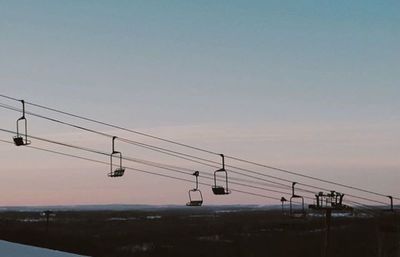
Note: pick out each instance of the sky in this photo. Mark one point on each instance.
(310, 86)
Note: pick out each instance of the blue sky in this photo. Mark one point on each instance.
(311, 85)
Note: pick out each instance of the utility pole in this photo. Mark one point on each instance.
(283, 200)
(47, 215)
(328, 219)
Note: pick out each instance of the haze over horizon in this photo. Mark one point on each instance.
(303, 85)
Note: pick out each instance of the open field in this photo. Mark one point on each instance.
(201, 232)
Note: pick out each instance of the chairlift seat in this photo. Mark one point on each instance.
(220, 190)
(195, 203)
(117, 173)
(18, 141)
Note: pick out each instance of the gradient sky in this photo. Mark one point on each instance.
(305, 85)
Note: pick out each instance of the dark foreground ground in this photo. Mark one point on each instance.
(201, 232)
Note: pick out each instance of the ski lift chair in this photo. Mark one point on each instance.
(218, 189)
(296, 213)
(118, 172)
(22, 139)
(198, 201)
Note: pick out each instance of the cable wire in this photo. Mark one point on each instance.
(147, 172)
(140, 170)
(368, 210)
(195, 148)
(178, 155)
(149, 163)
(154, 164)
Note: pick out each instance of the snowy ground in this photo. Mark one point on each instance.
(8, 249)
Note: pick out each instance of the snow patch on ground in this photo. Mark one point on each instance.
(18, 250)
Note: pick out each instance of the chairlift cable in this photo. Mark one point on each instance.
(151, 147)
(155, 148)
(139, 161)
(139, 170)
(149, 163)
(160, 150)
(262, 174)
(195, 148)
(133, 159)
(307, 176)
(111, 125)
(153, 173)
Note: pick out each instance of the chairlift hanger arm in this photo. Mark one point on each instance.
(23, 110)
(391, 202)
(113, 145)
(196, 174)
(293, 184)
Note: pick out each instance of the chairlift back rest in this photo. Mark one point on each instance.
(18, 126)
